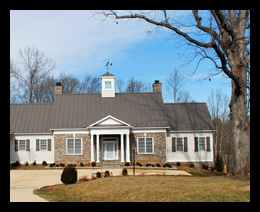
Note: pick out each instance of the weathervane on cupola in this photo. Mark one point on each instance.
(107, 65)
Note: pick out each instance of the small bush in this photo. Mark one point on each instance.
(205, 166)
(62, 164)
(158, 165)
(219, 165)
(57, 165)
(148, 164)
(81, 164)
(26, 163)
(191, 165)
(93, 163)
(44, 163)
(167, 165)
(83, 179)
(124, 172)
(69, 175)
(98, 174)
(107, 174)
(127, 164)
(137, 163)
(178, 164)
(52, 164)
(16, 163)
(34, 163)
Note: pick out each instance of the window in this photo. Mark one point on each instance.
(22, 145)
(202, 144)
(74, 146)
(179, 145)
(108, 85)
(43, 145)
(145, 146)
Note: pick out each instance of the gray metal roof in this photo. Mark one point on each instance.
(82, 110)
(30, 118)
(188, 116)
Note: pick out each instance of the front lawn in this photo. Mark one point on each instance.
(151, 189)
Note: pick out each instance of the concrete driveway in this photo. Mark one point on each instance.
(23, 182)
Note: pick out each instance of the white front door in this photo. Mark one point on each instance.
(110, 148)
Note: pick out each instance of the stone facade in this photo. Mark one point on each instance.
(60, 149)
(159, 155)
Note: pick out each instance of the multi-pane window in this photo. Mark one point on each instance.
(179, 144)
(202, 144)
(74, 146)
(145, 146)
(43, 145)
(108, 85)
(22, 145)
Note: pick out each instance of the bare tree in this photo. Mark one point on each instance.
(35, 67)
(134, 86)
(120, 85)
(175, 83)
(90, 84)
(223, 37)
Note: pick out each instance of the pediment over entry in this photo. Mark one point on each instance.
(109, 121)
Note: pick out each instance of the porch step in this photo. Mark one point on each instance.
(110, 164)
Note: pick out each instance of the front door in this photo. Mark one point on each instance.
(110, 148)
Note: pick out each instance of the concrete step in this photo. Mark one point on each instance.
(110, 164)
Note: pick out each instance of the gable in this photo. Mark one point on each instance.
(109, 121)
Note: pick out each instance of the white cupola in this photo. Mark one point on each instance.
(108, 85)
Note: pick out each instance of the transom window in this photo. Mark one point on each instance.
(145, 145)
(74, 146)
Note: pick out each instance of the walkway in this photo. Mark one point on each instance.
(23, 182)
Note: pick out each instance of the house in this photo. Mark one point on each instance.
(85, 128)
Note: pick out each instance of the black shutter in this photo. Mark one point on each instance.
(37, 145)
(27, 144)
(49, 144)
(185, 144)
(196, 144)
(173, 144)
(208, 143)
(15, 145)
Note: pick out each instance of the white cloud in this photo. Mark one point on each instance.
(74, 41)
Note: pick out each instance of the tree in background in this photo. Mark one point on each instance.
(175, 84)
(223, 37)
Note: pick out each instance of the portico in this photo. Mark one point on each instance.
(105, 134)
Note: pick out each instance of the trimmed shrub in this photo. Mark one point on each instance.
(124, 172)
(44, 163)
(219, 166)
(98, 174)
(178, 164)
(127, 164)
(158, 165)
(69, 175)
(107, 174)
(93, 163)
(81, 164)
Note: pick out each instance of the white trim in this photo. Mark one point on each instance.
(147, 130)
(145, 146)
(74, 146)
(191, 131)
(71, 132)
(115, 150)
(111, 117)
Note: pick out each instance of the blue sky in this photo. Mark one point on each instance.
(82, 45)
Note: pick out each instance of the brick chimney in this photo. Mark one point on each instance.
(58, 88)
(157, 87)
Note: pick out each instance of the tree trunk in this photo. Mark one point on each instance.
(238, 116)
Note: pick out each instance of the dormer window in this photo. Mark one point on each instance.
(108, 85)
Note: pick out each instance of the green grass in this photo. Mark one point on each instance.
(151, 189)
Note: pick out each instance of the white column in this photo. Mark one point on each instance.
(122, 148)
(97, 148)
(127, 148)
(92, 148)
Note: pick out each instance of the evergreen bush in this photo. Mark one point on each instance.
(69, 175)
(219, 166)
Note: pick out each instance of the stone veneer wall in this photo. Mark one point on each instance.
(60, 149)
(159, 155)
